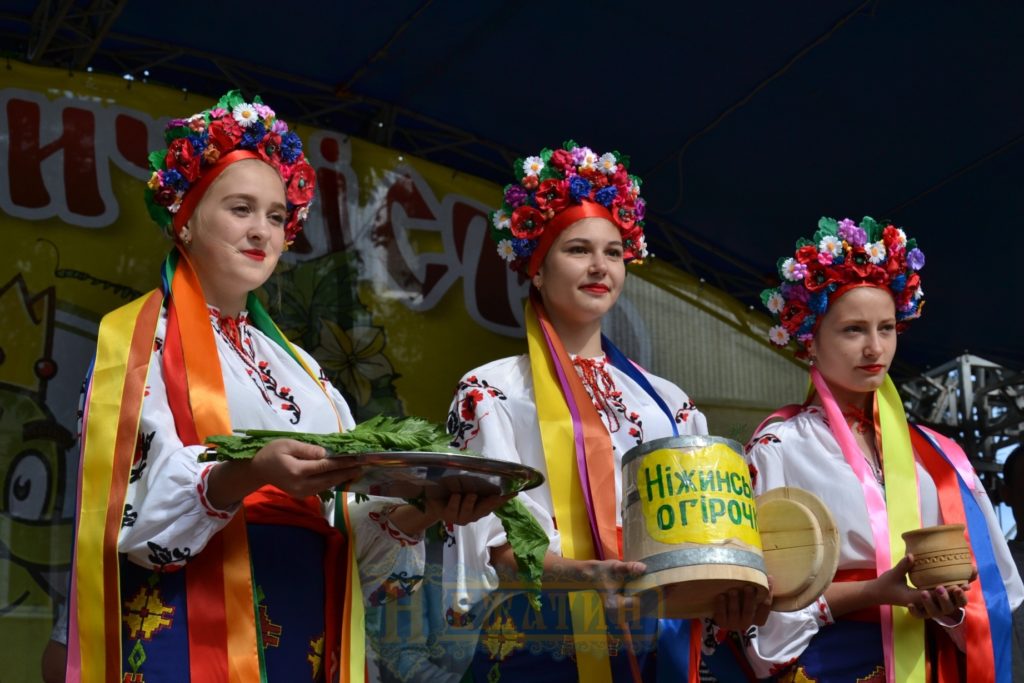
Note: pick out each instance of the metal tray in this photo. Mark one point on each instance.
(410, 474)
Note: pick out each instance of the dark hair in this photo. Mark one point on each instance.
(1013, 461)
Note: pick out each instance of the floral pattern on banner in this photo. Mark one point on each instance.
(316, 304)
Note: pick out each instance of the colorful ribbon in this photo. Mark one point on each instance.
(585, 513)
(988, 621)
(902, 634)
(111, 420)
(223, 638)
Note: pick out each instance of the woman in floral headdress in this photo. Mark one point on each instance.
(571, 407)
(189, 570)
(844, 296)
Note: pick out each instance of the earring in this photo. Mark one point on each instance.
(811, 361)
(185, 236)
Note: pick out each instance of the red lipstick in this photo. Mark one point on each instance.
(255, 254)
(596, 288)
(871, 369)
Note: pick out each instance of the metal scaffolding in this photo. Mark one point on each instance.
(977, 402)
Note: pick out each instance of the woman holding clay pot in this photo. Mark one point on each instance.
(845, 295)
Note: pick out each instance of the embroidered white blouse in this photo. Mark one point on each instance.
(802, 452)
(167, 519)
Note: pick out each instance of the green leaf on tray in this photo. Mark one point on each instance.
(529, 545)
(383, 433)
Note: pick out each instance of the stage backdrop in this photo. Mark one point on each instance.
(393, 287)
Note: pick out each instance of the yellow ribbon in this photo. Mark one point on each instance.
(115, 371)
(904, 511)
(588, 625)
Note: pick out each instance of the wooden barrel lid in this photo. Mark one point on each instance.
(800, 543)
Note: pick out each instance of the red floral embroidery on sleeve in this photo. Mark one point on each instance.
(201, 489)
(465, 416)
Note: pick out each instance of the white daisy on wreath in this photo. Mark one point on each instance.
(875, 252)
(607, 163)
(245, 114)
(778, 335)
(831, 244)
(506, 250)
(791, 270)
(532, 166)
(502, 220)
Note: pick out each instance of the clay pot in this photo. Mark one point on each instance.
(941, 556)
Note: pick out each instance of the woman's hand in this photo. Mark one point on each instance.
(299, 469)
(939, 602)
(933, 604)
(458, 508)
(607, 577)
(739, 608)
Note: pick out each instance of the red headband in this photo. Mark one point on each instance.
(560, 222)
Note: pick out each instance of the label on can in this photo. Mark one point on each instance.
(698, 495)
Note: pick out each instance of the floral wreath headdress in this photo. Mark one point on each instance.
(200, 147)
(843, 255)
(556, 189)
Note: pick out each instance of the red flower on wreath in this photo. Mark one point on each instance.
(269, 149)
(552, 195)
(792, 315)
(225, 133)
(891, 238)
(625, 215)
(807, 254)
(301, 185)
(561, 159)
(181, 156)
(859, 261)
(165, 196)
(620, 178)
(819, 276)
(527, 223)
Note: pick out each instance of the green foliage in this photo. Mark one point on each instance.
(529, 545)
(767, 294)
(829, 225)
(383, 433)
(380, 433)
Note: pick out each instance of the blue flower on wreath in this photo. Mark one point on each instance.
(898, 283)
(818, 302)
(253, 135)
(291, 147)
(174, 179)
(807, 326)
(524, 247)
(579, 188)
(198, 143)
(606, 195)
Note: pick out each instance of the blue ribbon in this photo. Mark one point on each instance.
(998, 605)
(619, 360)
(673, 658)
